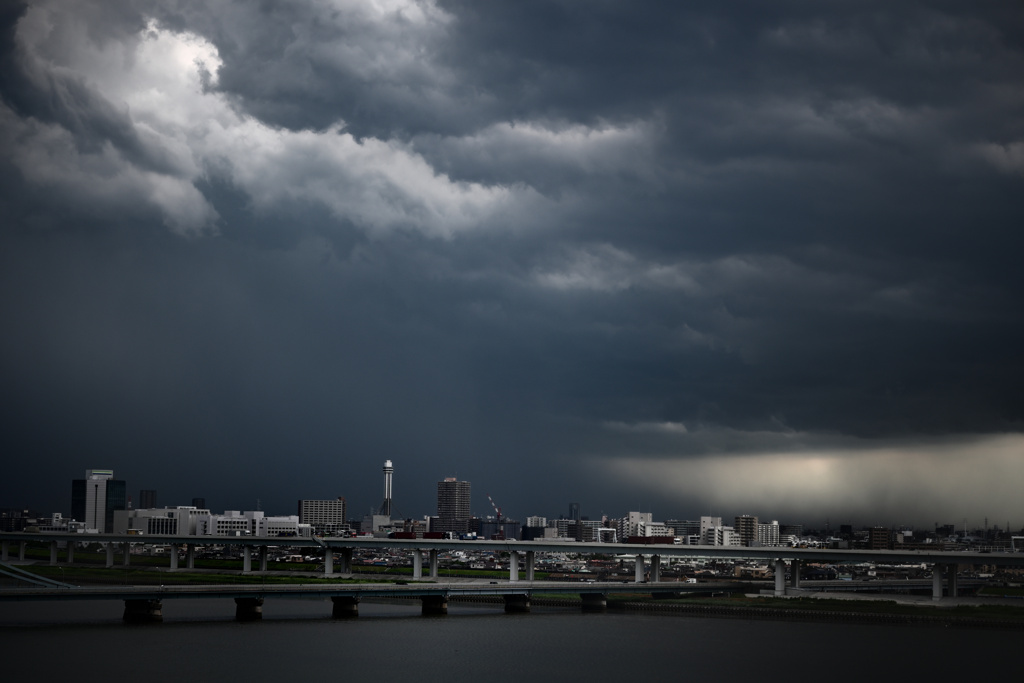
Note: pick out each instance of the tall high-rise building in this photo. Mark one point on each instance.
(746, 529)
(147, 499)
(94, 499)
(453, 499)
(326, 517)
(389, 471)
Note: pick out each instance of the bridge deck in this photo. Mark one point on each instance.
(328, 591)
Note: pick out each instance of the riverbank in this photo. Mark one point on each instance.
(971, 613)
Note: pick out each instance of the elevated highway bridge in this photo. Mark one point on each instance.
(647, 559)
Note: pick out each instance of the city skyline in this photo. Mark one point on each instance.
(454, 501)
(747, 258)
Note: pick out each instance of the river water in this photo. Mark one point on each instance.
(298, 641)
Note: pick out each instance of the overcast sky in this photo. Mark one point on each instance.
(688, 258)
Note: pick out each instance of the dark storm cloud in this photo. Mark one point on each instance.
(566, 251)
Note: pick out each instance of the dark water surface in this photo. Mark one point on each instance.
(298, 641)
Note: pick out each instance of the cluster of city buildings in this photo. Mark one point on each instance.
(100, 504)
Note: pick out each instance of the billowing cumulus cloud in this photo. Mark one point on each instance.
(755, 258)
(161, 89)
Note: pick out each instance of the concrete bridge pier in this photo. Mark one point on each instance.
(263, 558)
(952, 590)
(530, 557)
(190, 556)
(142, 611)
(594, 602)
(794, 574)
(328, 562)
(344, 606)
(434, 604)
(174, 558)
(246, 560)
(346, 560)
(110, 555)
(655, 568)
(71, 552)
(417, 564)
(517, 604)
(780, 577)
(638, 575)
(513, 566)
(127, 548)
(248, 609)
(433, 563)
(21, 551)
(53, 553)
(5, 549)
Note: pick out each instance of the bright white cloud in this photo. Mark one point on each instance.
(380, 185)
(594, 150)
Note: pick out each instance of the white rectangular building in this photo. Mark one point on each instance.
(176, 521)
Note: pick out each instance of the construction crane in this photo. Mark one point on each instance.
(496, 508)
(500, 534)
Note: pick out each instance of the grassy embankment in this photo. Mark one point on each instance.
(824, 607)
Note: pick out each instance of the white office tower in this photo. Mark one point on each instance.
(96, 497)
(389, 471)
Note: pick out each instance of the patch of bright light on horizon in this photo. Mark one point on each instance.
(975, 476)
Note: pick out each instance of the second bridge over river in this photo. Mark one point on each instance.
(144, 603)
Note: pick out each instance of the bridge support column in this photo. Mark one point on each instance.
(951, 587)
(142, 611)
(530, 557)
(594, 602)
(639, 573)
(71, 552)
(655, 568)
(417, 564)
(174, 557)
(190, 556)
(513, 566)
(263, 558)
(53, 552)
(328, 562)
(21, 551)
(127, 554)
(517, 604)
(346, 560)
(248, 609)
(110, 555)
(780, 577)
(433, 563)
(794, 574)
(246, 560)
(5, 550)
(434, 604)
(344, 606)
(937, 581)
